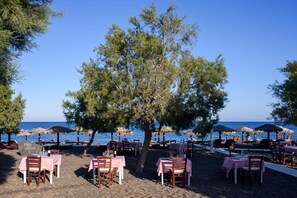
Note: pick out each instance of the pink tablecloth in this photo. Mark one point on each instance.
(165, 164)
(47, 163)
(118, 161)
(137, 145)
(178, 146)
(237, 162)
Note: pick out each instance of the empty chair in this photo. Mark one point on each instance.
(34, 169)
(190, 149)
(254, 168)
(105, 172)
(126, 147)
(113, 145)
(178, 172)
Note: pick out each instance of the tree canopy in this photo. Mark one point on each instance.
(285, 109)
(147, 75)
(20, 22)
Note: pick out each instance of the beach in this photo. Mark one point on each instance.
(208, 179)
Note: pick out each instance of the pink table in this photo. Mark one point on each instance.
(178, 146)
(165, 164)
(136, 145)
(47, 163)
(118, 162)
(238, 162)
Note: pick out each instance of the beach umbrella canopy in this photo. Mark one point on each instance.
(57, 130)
(123, 131)
(223, 129)
(24, 132)
(166, 129)
(269, 128)
(244, 129)
(286, 130)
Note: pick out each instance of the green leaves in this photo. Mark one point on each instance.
(285, 110)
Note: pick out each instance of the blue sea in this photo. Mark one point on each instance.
(103, 138)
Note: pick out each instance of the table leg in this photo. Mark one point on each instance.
(51, 177)
(94, 177)
(58, 171)
(227, 173)
(120, 176)
(235, 175)
(162, 178)
(24, 176)
(189, 180)
(122, 170)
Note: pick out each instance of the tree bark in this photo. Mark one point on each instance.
(146, 144)
(90, 143)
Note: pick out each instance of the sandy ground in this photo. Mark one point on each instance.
(208, 179)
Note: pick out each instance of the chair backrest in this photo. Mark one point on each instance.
(179, 165)
(104, 163)
(190, 145)
(255, 162)
(126, 145)
(33, 163)
(113, 145)
(55, 151)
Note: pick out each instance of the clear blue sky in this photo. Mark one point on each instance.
(255, 38)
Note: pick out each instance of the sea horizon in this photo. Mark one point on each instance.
(104, 137)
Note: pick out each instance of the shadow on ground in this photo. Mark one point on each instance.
(7, 166)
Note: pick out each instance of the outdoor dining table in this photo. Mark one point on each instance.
(235, 163)
(164, 165)
(47, 162)
(136, 145)
(116, 162)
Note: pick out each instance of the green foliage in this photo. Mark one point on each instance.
(20, 22)
(285, 110)
(11, 111)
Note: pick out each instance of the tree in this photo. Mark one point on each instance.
(285, 109)
(75, 111)
(20, 22)
(200, 96)
(11, 111)
(146, 75)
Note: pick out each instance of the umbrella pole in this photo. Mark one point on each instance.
(58, 139)
(242, 136)
(26, 137)
(39, 141)
(158, 137)
(111, 136)
(119, 137)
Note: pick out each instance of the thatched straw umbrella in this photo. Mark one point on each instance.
(24, 132)
(191, 133)
(243, 129)
(38, 131)
(285, 130)
(123, 131)
(223, 129)
(269, 128)
(57, 130)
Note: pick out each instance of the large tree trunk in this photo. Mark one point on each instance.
(146, 144)
(90, 143)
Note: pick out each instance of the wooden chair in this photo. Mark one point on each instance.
(283, 156)
(255, 166)
(126, 147)
(274, 152)
(178, 172)
(105, 172)
(190, 149)
(113, 145)
(34, 169)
